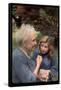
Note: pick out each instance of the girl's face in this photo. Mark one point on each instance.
(44, 48)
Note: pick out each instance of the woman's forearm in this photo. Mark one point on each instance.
(36, 71)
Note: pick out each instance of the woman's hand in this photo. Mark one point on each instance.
(38, 60)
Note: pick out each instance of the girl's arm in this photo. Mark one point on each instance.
(54, 69)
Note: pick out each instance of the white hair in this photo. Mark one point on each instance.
(24, 32)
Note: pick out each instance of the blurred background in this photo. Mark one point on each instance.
(45, 19)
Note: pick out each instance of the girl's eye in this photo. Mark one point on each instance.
(42, 45)
(46, 47)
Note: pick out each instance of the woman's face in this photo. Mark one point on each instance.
(44, 48)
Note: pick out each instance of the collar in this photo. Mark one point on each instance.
(44, 55)
(25, 52)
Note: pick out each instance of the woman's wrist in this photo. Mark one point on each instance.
(36, 71)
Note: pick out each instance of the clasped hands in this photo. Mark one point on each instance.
(43, 74)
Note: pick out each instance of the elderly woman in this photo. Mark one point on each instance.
(24, 70)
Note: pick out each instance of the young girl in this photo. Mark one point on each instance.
(48, 67)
